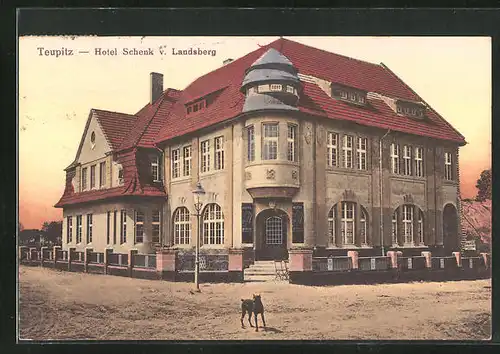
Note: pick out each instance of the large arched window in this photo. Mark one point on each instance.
(395, 228)
(182, 226)
(213, 225)
(331, 225)
(347, 223)
(350, 221)
(408, 226)
(363, 225)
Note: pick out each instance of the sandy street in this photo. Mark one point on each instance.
(62, 305)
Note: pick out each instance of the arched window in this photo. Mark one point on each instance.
(213, 225)
(363, 232)
(331, 225)
(347, 223)
(408, 224)
(182, 226)
(420, 231)
(395, 227)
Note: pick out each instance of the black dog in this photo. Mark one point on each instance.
(254, 306)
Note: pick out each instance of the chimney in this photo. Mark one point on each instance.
(227, 61)
(156, 86)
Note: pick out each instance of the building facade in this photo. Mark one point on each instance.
(294, 146)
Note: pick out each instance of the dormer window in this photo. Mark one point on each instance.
(290, 89)
(120, 176)
(410, 109)
(348, 94)
(195, 107)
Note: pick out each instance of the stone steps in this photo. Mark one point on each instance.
(260, 271)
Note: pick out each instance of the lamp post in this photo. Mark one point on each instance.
(197, 194)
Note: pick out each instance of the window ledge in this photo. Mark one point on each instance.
(408, 178)
(261, 162)
(353, 170)
(349, 247)
(210, 173)
(182, 179)
(409, 246)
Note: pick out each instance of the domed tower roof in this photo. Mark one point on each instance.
(272, 66)
(271, 82)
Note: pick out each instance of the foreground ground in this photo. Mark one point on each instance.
(61, 305)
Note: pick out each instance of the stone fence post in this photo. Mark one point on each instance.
(235, 265)
(131, 254)
(486, 258)
(42, 250)
(428, 259)
(86, 259)
(354, 259)
(55, 249)
(22, 251)
(71, 251)
(458, 257)
(107, 253)
(166, 263)
(393, 256)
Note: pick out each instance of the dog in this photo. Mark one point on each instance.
(252, 306)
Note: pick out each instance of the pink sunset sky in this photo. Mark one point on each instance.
(453, 75)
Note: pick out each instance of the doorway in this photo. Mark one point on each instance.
(272, 232)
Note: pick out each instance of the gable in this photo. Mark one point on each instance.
(92, 150)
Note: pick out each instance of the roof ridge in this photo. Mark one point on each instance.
(326, 51)
(428, 105)
(105, 110)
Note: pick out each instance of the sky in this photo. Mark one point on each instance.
(57, 91)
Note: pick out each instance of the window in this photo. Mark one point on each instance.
(69, 229)
(78, 229)
(92, 176)
(420, 231)
(250, 143)
(347, 147)
(408, 224)
(219, 153)
(399, 109)
(123, 226)
(102, 174)
(213, 225)
(291, 141)
(331, 148)
(407, 160)
(363, 232)
(189, 109)
(205, 156)
(114, 227)
(419, 162)
(361, 99)
(182, 226)
(347, 223)
(361, 150)
(270, 149)
(353, 96)
(120, 175)
(155, 168)
(448, 175)
(84, 178)
(89, 228)
(108, 227)
(176, 163)
(186, 151)
(290, 89)
(395, 228)
(274, 231)
(343, 94)
(395, 158)
(331, 225)
(276, 87)
(139, 226)
(155, 229)
(92, 137)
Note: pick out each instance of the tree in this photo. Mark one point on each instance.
(484, 186)
(52, 232)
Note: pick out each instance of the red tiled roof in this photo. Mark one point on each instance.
(116, 126)
(101, 194)
(309, 61)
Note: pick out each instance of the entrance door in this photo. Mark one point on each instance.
(273, 232)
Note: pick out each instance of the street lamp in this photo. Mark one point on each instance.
(197, 194)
